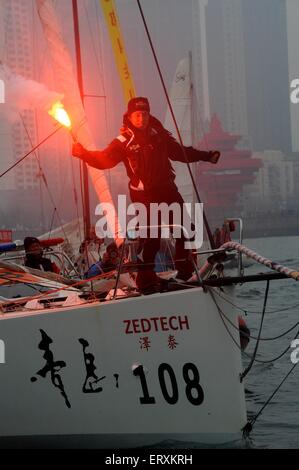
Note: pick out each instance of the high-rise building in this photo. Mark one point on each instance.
(248, 70)
(274, 186)
(6, 150)
(226, 64)
(267, 74)
(293, 56)
(199, 66)
(2, 31)
(19, 57)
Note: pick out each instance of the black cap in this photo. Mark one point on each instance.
(138, 104)
(29, 240)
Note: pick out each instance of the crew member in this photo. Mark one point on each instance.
(146, 149)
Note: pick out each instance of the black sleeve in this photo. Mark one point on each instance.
(176, 153)
(106, 158)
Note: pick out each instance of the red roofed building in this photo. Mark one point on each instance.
(220, 185)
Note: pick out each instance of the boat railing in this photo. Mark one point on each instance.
(240, 259)
(289, 272)
(65, 262)
(200, 273)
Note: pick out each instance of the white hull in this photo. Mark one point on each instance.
(209, 410)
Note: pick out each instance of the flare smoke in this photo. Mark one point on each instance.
(22, 93)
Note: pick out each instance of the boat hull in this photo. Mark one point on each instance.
(126, 373)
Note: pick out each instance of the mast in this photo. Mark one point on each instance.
(84, 170)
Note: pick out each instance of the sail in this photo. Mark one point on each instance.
(180, 97)
(71, 232)
(119, 50)
(2, 32)
(65, 77)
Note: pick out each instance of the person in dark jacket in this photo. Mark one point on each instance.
(110, 262)
(146, 149)
(34, 256)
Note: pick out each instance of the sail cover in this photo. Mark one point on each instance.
(66, 78)
(180, 96)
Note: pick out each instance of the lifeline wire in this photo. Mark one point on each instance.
(249, 425)
(243, 375)
(269, 361)
(273, 338)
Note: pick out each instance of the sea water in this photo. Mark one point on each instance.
(278, 425)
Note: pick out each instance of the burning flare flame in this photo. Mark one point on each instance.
(59, 113)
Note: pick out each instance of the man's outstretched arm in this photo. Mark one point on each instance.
(193, 155)
(100, 159)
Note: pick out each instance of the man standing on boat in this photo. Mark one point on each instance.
(146, 148)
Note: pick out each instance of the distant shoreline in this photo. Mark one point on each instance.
(266, 225)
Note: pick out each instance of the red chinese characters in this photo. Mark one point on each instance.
(172, 343)
(113, 19)
(145, 343)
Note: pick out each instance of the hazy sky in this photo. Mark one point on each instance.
(170, 24)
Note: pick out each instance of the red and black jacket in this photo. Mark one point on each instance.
(147, 156)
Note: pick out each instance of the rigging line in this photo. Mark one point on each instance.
(64, 287)
(249, 425)
(41, 173)
(100, 70)
(99, 28)
(30, 152)
(82, 195)
(76, 196)
(44, 177)
(204, 138)
(260, 361)
(275, 359)
(199, 165)
(221, 316)
(86, 302)
(231, 336)
(41, 66)
(101, 73)
(52, 221)
(100, 64)
(63, 186)
(211, 240)
(273, 338)
(246, 312)
(198, 117)
(233, 304)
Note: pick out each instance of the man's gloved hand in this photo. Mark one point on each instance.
(214, 156)
(78, 150)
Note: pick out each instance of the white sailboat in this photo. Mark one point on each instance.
(129, 372)
(154, 368)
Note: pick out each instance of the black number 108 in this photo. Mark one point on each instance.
(193, 389)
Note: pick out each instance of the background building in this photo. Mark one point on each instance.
(226, 64)
(248, 70)
(267, 74)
